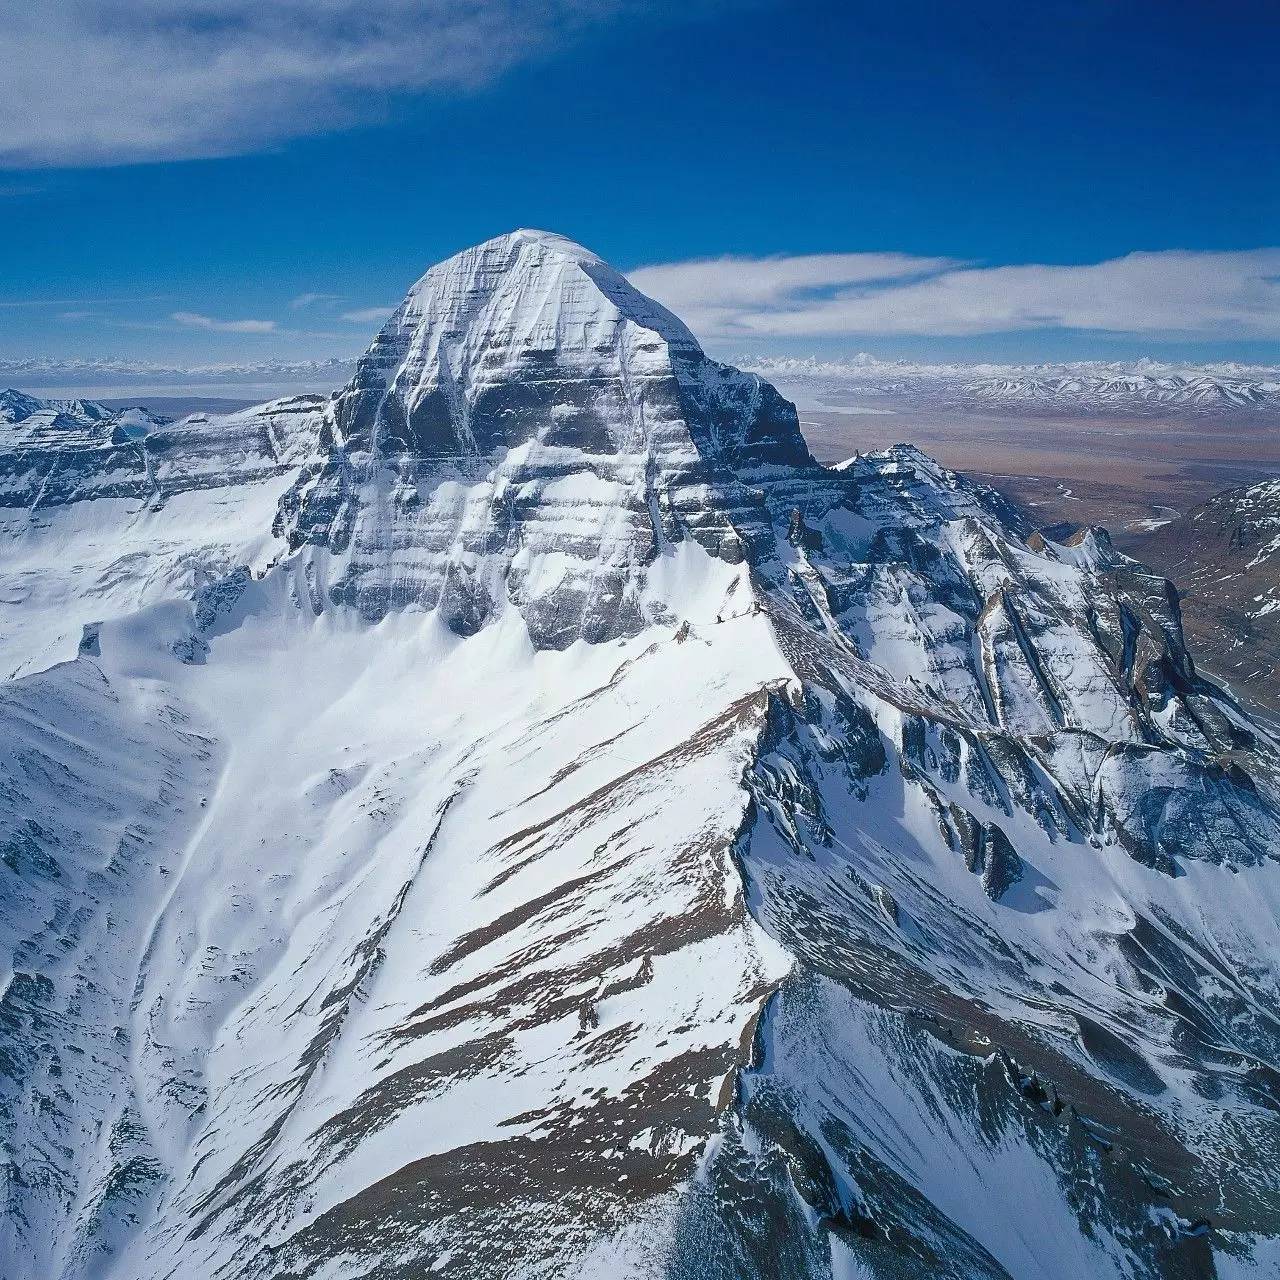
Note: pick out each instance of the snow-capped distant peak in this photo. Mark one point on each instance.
(29, 423)
(18, 406)
(1143, 386)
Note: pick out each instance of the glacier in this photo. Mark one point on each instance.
(523, 816)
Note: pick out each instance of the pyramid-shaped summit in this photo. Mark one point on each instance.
(524, 403)
(494, 341)
(538, 289)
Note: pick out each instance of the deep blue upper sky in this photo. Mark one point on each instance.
(997, 133)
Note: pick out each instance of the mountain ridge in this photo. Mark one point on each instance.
(588, 837)
(1226, 554)
(1140, 387)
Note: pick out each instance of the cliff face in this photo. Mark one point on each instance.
(1225, 556)
(594, 839)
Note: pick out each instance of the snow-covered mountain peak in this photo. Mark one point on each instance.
(528, 309)
(528, 406)
(524, 817)
(18, 406)
(533, 290)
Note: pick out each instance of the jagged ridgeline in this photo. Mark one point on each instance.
(524, 817)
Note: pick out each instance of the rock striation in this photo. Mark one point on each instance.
(527, 428)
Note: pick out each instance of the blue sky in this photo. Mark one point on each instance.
(173, 201)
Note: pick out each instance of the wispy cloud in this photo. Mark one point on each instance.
(311, 300)
(1209, 295)
(369, 315)
(168, 79)
(721, 291)
(193, 320)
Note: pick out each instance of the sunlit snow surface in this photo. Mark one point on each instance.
(101, 512)
(526, 818)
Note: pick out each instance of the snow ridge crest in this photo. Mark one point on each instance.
(534, 289)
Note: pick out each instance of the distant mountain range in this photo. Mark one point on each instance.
(106, 374)
(1142, 386)
(27, 422)
(1145, 386)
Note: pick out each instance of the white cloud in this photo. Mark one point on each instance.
(1211, 295)
(368, 315)
(311, 299)
(722, 290)
(193, 320)
(115, 81)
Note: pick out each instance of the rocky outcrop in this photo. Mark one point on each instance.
(1225, 557)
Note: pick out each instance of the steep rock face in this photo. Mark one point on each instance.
(528, 428)
(101, 512)
(1225, 555)
(635, 852)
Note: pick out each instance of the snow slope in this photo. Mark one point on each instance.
(101, 512)
(603, 842)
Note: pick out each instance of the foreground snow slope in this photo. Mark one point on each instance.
(608, 843)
